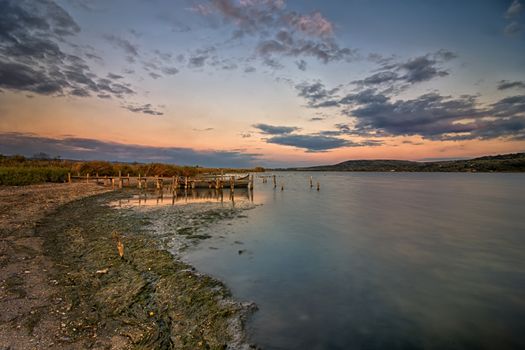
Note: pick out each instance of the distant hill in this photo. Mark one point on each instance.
(514, 162)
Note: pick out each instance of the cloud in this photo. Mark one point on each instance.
(169, 70)
(32, 60)
(514, 9)
(421, 69)
(301, 65)
(315, 93)
(275, 130)
(314, 24)
(199, 57)
(145, 109)
(414, 70)
(91, 149)
(505, 84)
(312, 143)
(512, 29)
(295, 34)
(114, 76)
(284, 44)
(437, 117)
(123, 44)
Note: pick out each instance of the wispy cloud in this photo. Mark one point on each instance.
(505, 84)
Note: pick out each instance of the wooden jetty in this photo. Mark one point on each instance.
(173, 182)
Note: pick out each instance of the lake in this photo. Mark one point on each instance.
(378, 261)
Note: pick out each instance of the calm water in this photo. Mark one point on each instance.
(379, 261)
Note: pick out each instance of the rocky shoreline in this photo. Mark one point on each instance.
(64, 285)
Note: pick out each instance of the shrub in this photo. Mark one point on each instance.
(18, 176)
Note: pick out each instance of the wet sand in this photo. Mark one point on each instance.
(64, 285)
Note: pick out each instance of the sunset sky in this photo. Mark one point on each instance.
(262, 82)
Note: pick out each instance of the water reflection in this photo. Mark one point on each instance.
(181, 197)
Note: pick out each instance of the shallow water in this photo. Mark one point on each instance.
(181, 197)
(378, 261)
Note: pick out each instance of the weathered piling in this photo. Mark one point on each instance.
(69, 177)
(232, 182)
(311, 182)
(318, 186)
(274, 182)
(139, 184)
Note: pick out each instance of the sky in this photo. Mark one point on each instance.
(270, 83)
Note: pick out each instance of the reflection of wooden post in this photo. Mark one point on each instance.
(311, 182)
(186, 182)
(318, 186)
(274, 182)
(69, 177)
(282, 186)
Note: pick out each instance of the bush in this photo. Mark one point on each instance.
(18, 176)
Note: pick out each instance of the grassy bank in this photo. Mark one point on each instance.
(145, 300)
(17, 176)
(19, 170)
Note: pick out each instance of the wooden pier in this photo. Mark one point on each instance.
(172, 182)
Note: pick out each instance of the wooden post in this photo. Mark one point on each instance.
(69, 177)
(282, 186)
(232, 182)
(311, 182)
(318, 186)
(97, 178)
(186, 182)
(274, 182)
(113, 183)
(87, 178)
(139, 185)
(120, 180)
(251, 182)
